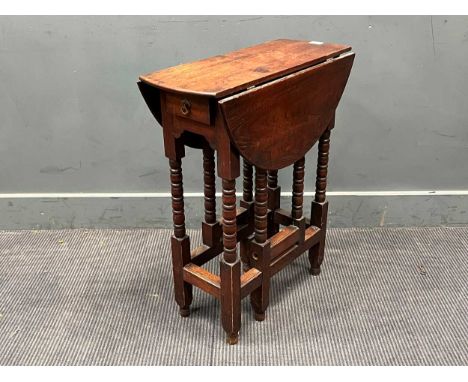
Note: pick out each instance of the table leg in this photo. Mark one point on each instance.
(320, 205)
(274, 195)
(260, 247)
(298, 189)
(180, 241)
(211, 229)
(230, 265)
(246, 202)
(297, 210)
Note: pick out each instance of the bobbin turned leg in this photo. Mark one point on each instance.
(230, 266)
(247, 202)
(211, 229)
(298, 197)
(320, 205)
(180, 242)
(274, 194)
(260, 246)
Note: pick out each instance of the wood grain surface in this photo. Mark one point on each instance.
(225, 74)
(275, 124)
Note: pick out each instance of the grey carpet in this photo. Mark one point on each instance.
(104, 297)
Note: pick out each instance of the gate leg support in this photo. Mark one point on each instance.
(274, 195)
(260, 297)
(247, 202)
(297, 211)
(211, 229)
(319, 211)
(319, 219)
(230, 266)
(260, 246)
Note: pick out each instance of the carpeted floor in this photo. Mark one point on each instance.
(104, 297)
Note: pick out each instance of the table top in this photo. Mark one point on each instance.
(226, 74)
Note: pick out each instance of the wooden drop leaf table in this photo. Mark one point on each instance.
(269, 104)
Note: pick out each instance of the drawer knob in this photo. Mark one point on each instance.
(185, 106)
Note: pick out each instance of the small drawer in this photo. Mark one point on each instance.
(188, 106)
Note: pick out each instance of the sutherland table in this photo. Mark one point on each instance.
(268, 104)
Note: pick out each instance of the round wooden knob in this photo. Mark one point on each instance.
(185, 106)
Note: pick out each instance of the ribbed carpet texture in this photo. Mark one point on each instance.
(386, 296)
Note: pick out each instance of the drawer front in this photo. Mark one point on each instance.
(188, 106)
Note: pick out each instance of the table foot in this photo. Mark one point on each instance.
(259, 316)
(184, 312)
(232, 339)
(314, 271)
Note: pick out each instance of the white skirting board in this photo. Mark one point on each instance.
(153, 210)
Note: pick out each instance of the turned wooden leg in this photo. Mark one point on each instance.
(180, 241)
(247, 202)
(261, 205)
(298, 189)
(298, 197)
(274, 195)
(211, 229)
(320, 205)
(260, 247)
(209, 185)
(247, 194)
(230, 266)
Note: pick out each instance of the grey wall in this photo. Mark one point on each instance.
(72, 119)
